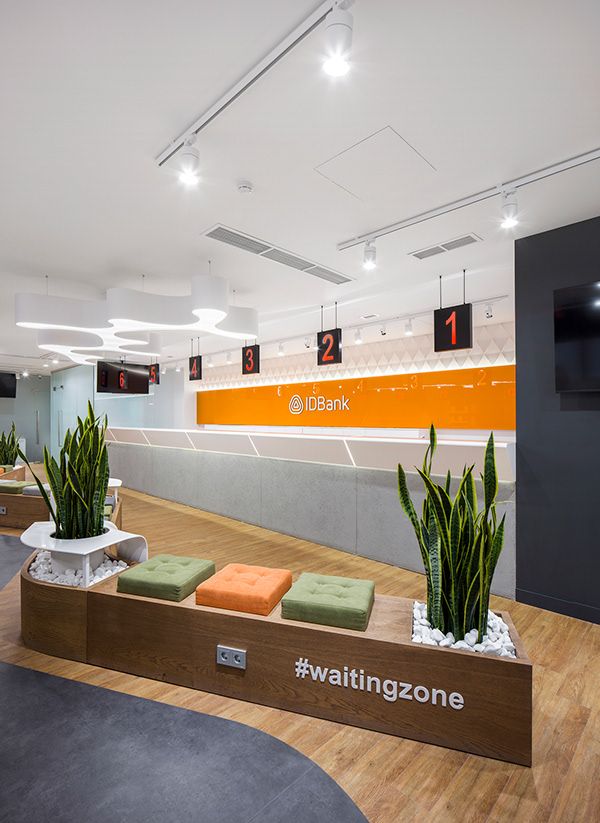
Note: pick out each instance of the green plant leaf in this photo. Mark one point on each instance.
(490, 476)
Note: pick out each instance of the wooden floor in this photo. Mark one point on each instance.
(391, 779)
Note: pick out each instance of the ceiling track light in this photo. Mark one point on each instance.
(280, 350)
(339, 24)
(509, 209)
(408, 328)
(229, 358)
(358, 337)
(489, 311)
(210, 363)
(383, 331)
(189, 162)
(370, 256)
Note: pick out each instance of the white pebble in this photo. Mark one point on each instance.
(437, 635)
(496, 642)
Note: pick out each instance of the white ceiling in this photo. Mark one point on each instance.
(443, 100)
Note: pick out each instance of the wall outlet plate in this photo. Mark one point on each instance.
(2, 509)
(227, 656)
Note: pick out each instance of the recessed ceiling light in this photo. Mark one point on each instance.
(55, 361)
(509, 210)
(45, 365)
(372, 316)
(370, 256)
(338, 35)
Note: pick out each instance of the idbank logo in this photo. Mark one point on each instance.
(318, 403)
(296, 404)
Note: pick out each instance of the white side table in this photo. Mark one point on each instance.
(88, 553)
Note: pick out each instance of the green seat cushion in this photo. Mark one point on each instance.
(14, 486)
(108, 510)
(166, 577)
(331, 601)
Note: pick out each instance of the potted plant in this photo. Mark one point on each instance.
(73, 542)
(9, 448)
(460, 546)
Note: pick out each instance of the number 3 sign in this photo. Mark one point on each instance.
(329, 347)
(453, 327)
(251, 359)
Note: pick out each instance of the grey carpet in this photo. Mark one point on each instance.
(74, 753)
(12, 556)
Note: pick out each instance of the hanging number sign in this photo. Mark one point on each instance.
(251, 359)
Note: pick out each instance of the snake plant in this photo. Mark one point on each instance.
(9, 447)
(459, 544)
(78, 480)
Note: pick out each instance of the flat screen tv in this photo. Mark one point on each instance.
(8, 384)
(121, 378)
(577, 338)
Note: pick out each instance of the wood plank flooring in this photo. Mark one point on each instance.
(390, 779)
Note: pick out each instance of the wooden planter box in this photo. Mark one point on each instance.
(378, 679)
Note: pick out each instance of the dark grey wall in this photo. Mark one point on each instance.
(558, 436)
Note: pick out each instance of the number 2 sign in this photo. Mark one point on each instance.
(453, 327)
(329, 347)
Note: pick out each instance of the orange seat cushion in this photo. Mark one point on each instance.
(254, 589)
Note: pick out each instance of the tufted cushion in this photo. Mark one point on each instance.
(331, 601)
(254, 589)
(165, 576)
(14, 486)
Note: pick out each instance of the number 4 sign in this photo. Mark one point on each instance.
(453, 327)
(329, 347)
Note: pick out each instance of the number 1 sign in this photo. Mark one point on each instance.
(329, 347)
(453, 327)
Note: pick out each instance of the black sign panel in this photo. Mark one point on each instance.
(154, 374)
(251, 359)
(195, 368)
(132, 378)
(329, 345)
(453, 327)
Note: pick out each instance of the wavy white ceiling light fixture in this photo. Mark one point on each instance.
(127, 321)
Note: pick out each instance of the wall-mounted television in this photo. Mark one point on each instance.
(121, 378)
(577, 338)
(8, 384)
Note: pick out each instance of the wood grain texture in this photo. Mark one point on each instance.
(390, 778)
(15, 474)
(21, 510)
(177, 642)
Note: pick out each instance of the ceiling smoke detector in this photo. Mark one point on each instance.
(245, 187)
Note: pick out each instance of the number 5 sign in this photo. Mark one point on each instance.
(329, 347)
(453, 327)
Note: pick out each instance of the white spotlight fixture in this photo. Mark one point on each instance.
(280, 351)
(229, 358)
(45, 365)
(189, 162)
(338, 36)
(163, 371)
(408, 329)
(489, 311)
(307, 342)
(509, 210)
(383, 331)
(25, 374)
(210, 364)
(358, 337)
(177, 368)
(55, 362)
(370, 256)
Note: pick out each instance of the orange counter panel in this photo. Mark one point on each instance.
(458, 399)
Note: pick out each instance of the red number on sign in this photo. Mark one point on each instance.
(194, 371)
(249, 360)
(451, 321)
(121, 379)
(328, 342)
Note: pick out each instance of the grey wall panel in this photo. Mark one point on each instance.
(230, 485)
(558, 436)
(311, 501)
(352, 509)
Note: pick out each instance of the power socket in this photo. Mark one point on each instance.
(235, 658)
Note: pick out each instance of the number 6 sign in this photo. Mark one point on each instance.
(453, 327)
(329, 347)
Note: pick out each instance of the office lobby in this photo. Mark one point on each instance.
(299, 412)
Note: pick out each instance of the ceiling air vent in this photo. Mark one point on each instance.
(286, 258)
(450, 245)
(240, 241)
